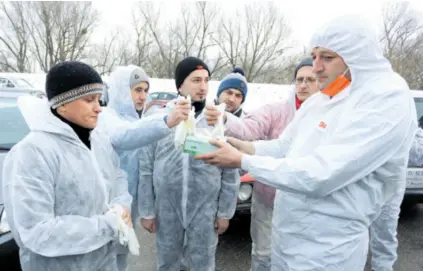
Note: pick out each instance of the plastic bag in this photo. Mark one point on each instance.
(185, 128)
(198, 141)
(218, 132)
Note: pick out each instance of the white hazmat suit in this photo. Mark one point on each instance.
(57, 195)
(129, 132)
(340, 159)
(185, 196)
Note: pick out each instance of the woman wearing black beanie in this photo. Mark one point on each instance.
(62, 182)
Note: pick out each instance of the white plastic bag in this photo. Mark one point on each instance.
(218, 132)
(185, 128)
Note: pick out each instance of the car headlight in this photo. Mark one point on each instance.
(245, 192)
(4, 226)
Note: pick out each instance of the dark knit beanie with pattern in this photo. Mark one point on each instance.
(70, 80)
(187, 66)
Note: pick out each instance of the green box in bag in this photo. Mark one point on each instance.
(198, 145)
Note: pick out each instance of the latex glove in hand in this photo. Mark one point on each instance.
(212, 115)
(126, 233)
(179, 113)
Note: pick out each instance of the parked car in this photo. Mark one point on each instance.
(14, 81)
(414, 190)
(243, 204)
(159, 99)
(13, 129)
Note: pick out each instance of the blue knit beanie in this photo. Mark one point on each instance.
(235, 80)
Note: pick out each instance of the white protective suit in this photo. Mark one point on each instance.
(340, 159)
(383, 231)
(57, 194)
(127, 131)
(185, 196)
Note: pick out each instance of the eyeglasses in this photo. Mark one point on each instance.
(307, 80)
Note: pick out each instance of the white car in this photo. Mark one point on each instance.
(14, 81)
(414, 191)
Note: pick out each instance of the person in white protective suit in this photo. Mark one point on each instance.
(182, 199)
(123, 121)
(62, 182)
(331, 165)
(383, 231)
(128, 130)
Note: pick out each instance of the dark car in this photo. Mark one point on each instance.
(13, 129)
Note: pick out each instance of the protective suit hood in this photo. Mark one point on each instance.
(38, 117)
(120, 92)
(358, 47)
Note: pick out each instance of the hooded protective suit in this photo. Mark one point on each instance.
(127, 131)
(57, 193)
(383, 231)
(185, 196)
(264, 123)
(331, 165)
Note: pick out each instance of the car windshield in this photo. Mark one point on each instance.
(13, 125)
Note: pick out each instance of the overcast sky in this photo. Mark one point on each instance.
(304, 16)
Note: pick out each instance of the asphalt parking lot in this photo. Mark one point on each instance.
(234, 247)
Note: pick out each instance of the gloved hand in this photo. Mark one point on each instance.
(126, 233)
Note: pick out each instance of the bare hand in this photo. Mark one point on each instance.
(180, 113)
(126, 216)
(226, 156)
(221, 225)
(212, 115)
(243, 146)
(149, 224)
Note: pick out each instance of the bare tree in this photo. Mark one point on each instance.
(402, 40)
(14, 37)
(61, 30)
(256, 40)
(190, 34)
(111, 52)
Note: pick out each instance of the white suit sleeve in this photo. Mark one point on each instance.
(146, 197)
(276, 148)
(228, 193)
(130, 135)
(370, 138)
(120, 185)
(32, 194)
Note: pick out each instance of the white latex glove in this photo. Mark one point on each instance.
(126, 234)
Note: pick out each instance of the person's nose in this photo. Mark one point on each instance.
(142, 96)
(317, 65)
(97, 107)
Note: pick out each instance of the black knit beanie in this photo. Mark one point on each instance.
(70, 80)
(187, 66)
(308, 61)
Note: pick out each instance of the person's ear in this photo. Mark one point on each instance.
(61, 109)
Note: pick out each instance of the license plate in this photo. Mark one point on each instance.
(415, 178)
